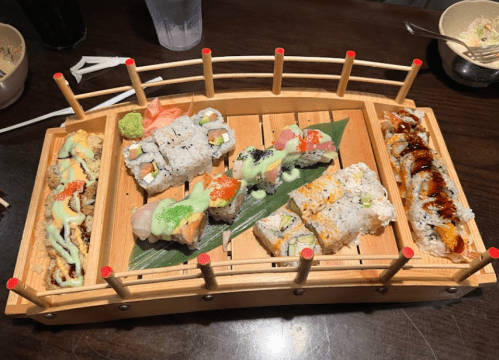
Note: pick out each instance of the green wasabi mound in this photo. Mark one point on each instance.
(131, 126)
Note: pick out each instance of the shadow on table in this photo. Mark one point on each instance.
(432, 64)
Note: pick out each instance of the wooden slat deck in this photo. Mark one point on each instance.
(248, 131)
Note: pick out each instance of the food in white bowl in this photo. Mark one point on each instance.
(14, 63)
(482, 32)
(455, 20)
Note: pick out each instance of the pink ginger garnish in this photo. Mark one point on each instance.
(157, 116)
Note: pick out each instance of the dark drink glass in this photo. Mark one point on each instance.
(59, 22)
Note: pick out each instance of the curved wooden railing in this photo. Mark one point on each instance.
(124, 291)
(208, 77)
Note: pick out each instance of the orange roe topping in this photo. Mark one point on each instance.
(303, 145)
(225, 189)
(313, 137)
(73, 186)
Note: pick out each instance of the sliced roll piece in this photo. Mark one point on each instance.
(148, 166)
(415, 162)
(284, 234)
(262, 168)
(399, 145)
(226, 196)
(185, 149)
(316, 147)
(183, 221)
(221, 139)
(310, 198)
(437, 217)
(207, 116)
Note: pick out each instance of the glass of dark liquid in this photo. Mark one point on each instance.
(59, 22)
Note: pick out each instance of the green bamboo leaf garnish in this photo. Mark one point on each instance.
(146, 255)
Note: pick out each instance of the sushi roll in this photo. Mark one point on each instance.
(185, 149)
(206, 116)
(262, 168)
(336, 225)
(437, 217)
(433, 210)
(403, 121)
(401, 144)
(362, 186)
(69, 209)
(312, 197)
(341, 207)
(290, 140)
(148, 166)
(183, 221)
(132, 154)
(316, 147)
(221, 139)
(226, 196)
(415, 162)
(284, 234)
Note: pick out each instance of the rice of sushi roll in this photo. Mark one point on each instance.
(226, 196)
(132, 153)
(206, 116)
(185, 149)
(437, 217)
(400, 145)
(262, 168)
(403, 121)
(417, 161)
(284, 234)
(362, 186)
(148, 166)
(336, 225)
(221, 139)
(341, 207)
(312, 197)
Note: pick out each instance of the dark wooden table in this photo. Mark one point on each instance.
(462, 329)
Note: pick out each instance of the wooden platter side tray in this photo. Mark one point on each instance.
(385, 267)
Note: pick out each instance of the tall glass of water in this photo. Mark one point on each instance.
(178, 23)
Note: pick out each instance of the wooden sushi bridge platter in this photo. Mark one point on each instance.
(382, 268)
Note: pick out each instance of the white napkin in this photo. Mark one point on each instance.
(69, 110)
(101, 62)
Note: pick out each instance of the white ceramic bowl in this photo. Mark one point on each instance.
(455, 20)
(12, 85)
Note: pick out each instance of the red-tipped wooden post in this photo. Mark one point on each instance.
(345, 73)
(69, 95)
(396, 265)
(278, 67)
(476, 265)
(204, 263)
(27, 292)
(107, 274)
(404, 89)
(306, 258)
(208, 73)
(136, 83)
